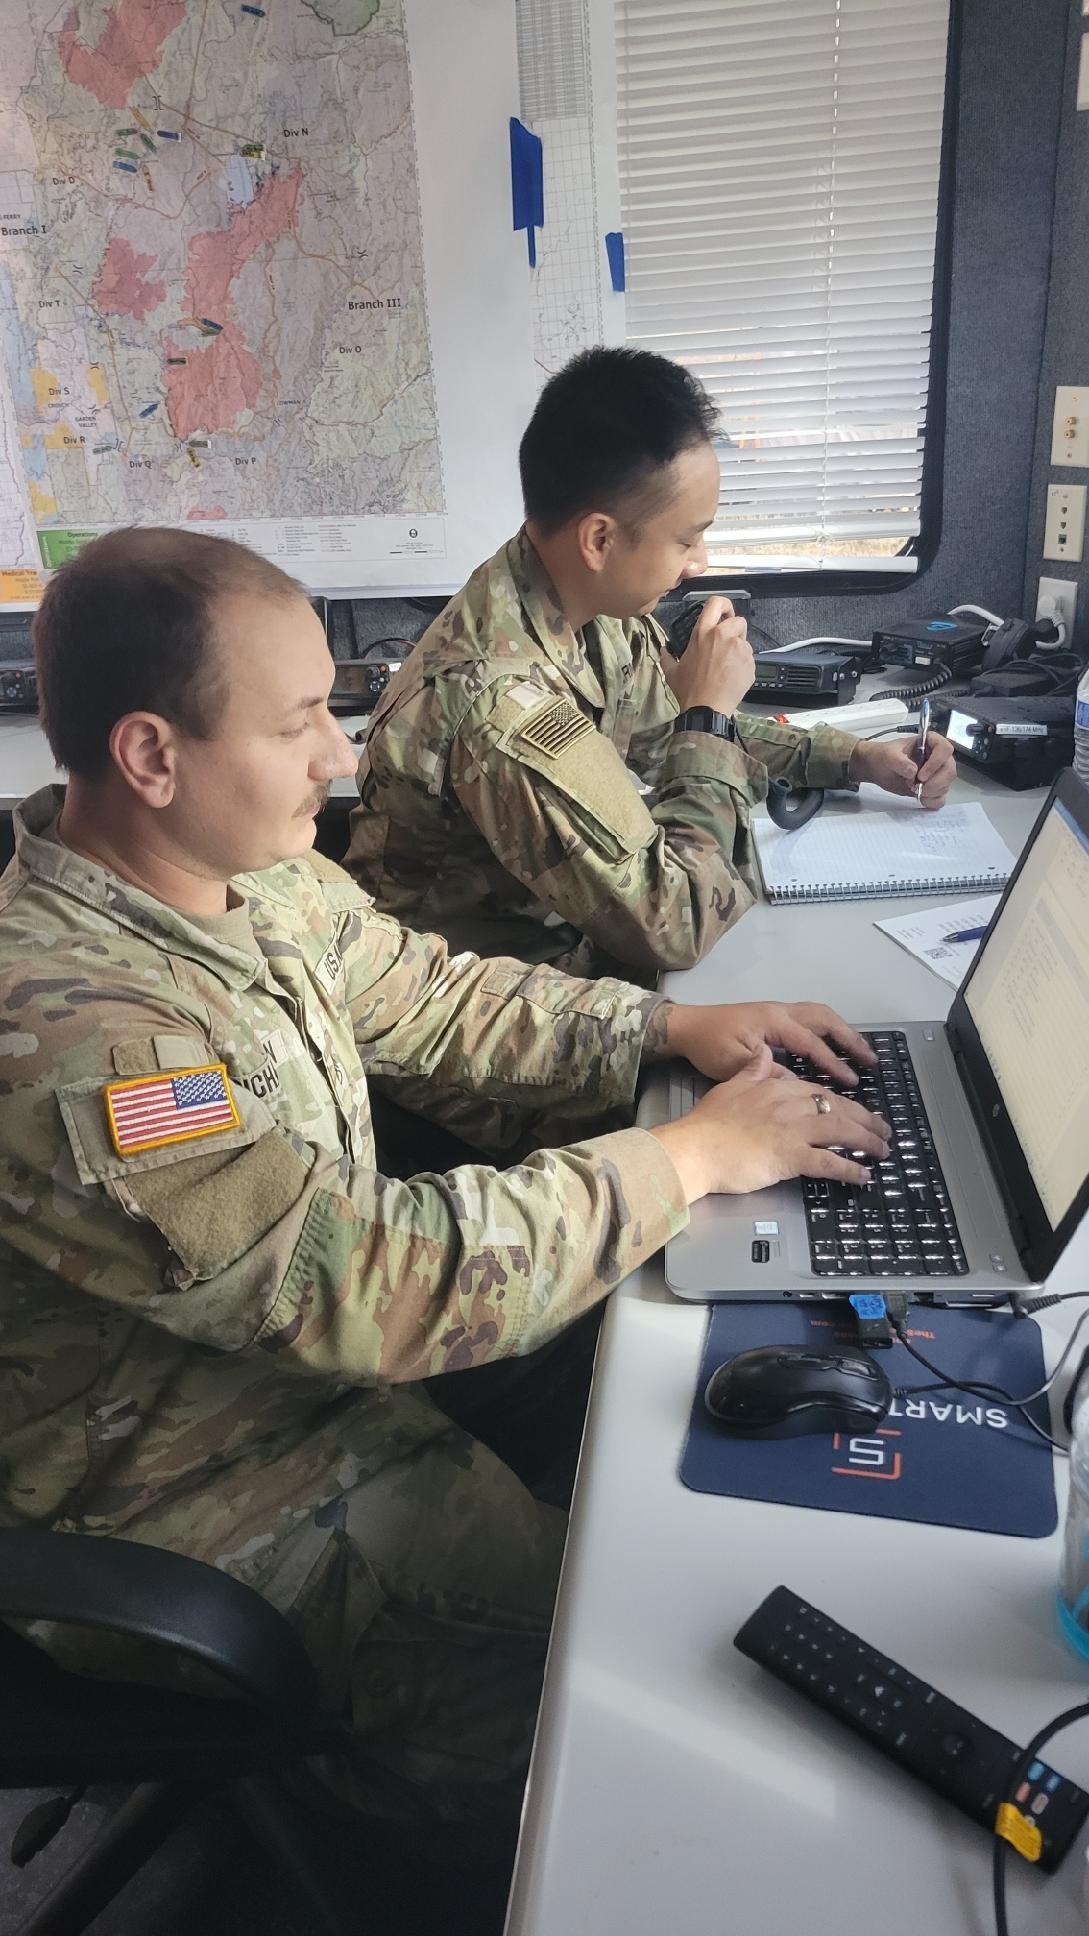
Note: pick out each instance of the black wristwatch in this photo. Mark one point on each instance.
(704, 719)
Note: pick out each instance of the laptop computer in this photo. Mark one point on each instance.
(988, 1175)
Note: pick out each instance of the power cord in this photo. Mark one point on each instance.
(896, 1320)
(1048, 609)
(1020, 1307)
(1060, 673)
(991, 618)
(1001, 1846)
(983, 1389)
(759, 632)
(360, 653)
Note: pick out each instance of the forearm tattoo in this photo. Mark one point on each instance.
(656, 1040)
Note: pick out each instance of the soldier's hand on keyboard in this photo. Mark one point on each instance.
(722, 1039)
(764, 1126)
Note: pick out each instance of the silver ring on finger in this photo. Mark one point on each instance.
(824, 1107)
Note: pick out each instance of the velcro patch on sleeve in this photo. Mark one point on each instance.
(554, 728)
(156, 1112)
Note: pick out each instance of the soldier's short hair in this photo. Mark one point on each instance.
(129, 625)
(605, 429)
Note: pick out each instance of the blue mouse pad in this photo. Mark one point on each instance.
(941, 1457)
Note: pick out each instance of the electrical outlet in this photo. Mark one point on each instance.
(1064, 593)
(1070, 424)
(1064, 526)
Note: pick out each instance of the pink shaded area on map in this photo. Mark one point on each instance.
(214, 385)
(127, 48)
(121, 289)
(217, 255)
(213, 511)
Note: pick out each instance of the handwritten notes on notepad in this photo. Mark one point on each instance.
(867, 856)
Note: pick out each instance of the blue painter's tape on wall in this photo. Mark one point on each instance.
(527, 183)
(614, 249)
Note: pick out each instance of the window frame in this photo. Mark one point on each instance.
(863, 579)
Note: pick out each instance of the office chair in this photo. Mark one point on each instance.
(176, 1749)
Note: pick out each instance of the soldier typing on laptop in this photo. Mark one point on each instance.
(219, 1314)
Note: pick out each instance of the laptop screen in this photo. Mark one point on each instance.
(1029, 1001)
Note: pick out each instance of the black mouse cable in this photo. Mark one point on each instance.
(1028, 1397)
(983, 1389)
(1001, 1846)
(1020, 1307)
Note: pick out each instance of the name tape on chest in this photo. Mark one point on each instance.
(154, 1112)
(554, 727)
(331, 966)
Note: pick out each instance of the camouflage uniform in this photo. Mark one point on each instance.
(215, 1346)
(494, 813)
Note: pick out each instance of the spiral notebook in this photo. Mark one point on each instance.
(869, 856)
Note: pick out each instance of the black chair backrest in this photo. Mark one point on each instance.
(193, 1608)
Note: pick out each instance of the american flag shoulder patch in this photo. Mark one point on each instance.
(554, 727)
(154, 1112)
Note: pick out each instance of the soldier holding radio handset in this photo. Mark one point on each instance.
(543, 777)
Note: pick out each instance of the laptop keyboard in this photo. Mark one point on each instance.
(901, 1225)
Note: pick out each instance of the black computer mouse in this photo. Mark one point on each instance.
(779, 1391)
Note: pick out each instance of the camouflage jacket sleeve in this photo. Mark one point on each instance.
(492, 1026)
(817, 757)
(258, 1239)
(486, 1046)
(652, 882)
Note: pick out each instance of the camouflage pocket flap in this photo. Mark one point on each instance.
(223, 1205)
(145, 1055)
(85, 1115)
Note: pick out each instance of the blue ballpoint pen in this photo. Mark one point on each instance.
(967, 934)
(920, 751)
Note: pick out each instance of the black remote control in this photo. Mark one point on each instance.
(964, 1761)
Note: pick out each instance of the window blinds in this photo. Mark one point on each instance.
(779, 164)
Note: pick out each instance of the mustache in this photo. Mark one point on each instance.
(316, 801)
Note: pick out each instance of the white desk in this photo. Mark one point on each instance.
(677, 1789)
(27, 764)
